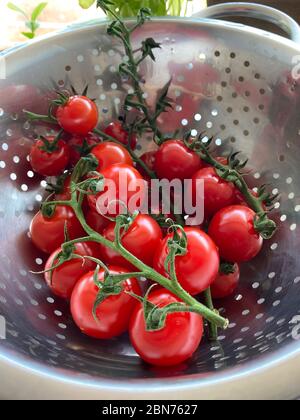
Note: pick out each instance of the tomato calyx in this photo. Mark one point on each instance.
(264, 226)
(50, 146)
(227, 268)
(112, 285)
(58, 186)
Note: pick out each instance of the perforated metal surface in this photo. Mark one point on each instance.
(234, 84)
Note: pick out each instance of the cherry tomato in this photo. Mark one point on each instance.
(113, 313)
(48, 233)
(117, 131)
(141, 240)
(149, 159)
(64, 277)
(52, 162)
(175, 161)
(232, 229)
(198, 268)
(128, 183)
(81, 146)
(175, 342)
(218, 193)
(78, 116)
(96, 221)
(109, 153)
(225, 284)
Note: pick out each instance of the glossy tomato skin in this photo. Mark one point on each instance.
(49, 163)
(116, 131)
(109, 153)
(114, 313)
(218, 193)
(119, 174)
(221, 159)
(66, 276)
(174, 160)
(232, 229)
(196, 270)
(149, 159)
(142, 239)
(78, 116)
(225, 284)
(96, 221)
(47, 234)
(173, 344)
(78, 144)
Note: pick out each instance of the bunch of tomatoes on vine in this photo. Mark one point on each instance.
(150, 274)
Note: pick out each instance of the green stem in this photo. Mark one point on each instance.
(213, 330)
(145, 270)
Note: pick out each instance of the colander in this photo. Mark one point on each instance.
(236, 83)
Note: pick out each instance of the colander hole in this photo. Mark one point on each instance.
(209, 124)
(1, 112)
(278, 289)
(255, 285)
(261, 301)
(50, 300)
(245, 329)
(223, 84)
(289, 180)
(114, 86)
(37, 286)
(39, 261)
(102, 97)
(62, 326)
(218, 142)
(42, 317)
(99, 82)
(293, 227)
(16, 159)
(229, 110)
(214, 112)
(220, 98)
(57, 313)
(2, 164)
(291, 196)
(194, 133)
(61, 337)
(217, 53)
(4, 147)
(80, 58)
(13, 176)
(257, 76)
(202, 56)
(246, 63)
(38, 198)
(231, 325)
(97, 68)
(246, 133)
(184, 122)
(246, 312)
(34, 302)
(274, 246)
(237, 340)
(3, 300)
(68, 68)
(246, 109)
(259, 316)
(228, 70)
(270, 319)
(297, 208)
(297, 280)
(271, 275)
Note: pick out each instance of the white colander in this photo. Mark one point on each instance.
(238, 84)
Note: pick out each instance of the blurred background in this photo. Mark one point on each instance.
(58, 13)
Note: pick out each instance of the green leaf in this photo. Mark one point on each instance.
(37, 11)
(28, 35)
(15, 8)
(86, 4)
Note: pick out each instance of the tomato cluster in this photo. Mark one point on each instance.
(227, 237)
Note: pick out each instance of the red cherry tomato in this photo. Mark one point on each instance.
(81, 146)
(128, 183)
(225, 284)
(218, 193)
(117, 131)
(48, 233)
(78, 116)
(141, 239)
(149, 159)
(52, 162)
(232, 229)
(64, 277)
(96, 221)
(109, 153)
(175, 342)
(198, 268)
(175, 161)
(113, 313)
